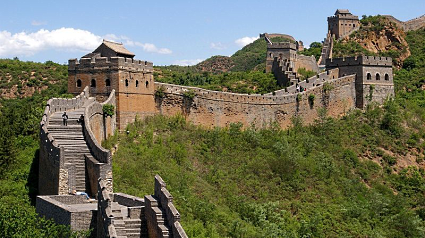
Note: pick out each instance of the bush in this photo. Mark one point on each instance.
(189, 94)
(108, 110)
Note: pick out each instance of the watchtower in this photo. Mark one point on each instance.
(111, 66)
(282, 51)
(342, 23)
(374, 77)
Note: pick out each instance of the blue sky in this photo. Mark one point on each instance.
(170, 32)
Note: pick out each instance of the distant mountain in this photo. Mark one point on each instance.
(250, 57)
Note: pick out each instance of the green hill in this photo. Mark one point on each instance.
(308, 181)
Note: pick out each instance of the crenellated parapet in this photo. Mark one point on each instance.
(113, 63)
(282, 45)
(359, 60)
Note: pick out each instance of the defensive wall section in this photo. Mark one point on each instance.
(51, 154)
(131, 79)
(374, 77)
(157, 213)
(411, 25)
(70, 210)
(97, 127)
(212, 108)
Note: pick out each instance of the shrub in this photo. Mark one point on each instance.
(189, 94)
(108, 109)
(160, 92)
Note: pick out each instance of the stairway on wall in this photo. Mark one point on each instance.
(126, 226)
(326, 50)
(72, 139)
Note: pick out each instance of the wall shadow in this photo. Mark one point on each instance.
(32, 180)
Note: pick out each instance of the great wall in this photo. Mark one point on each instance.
(72, 158)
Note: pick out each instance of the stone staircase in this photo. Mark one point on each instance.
(72, 139)
(126, 226)
(326, 50)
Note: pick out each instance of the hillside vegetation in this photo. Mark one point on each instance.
(243, 72)
(19, 143)
(22, 79)
(359, 176)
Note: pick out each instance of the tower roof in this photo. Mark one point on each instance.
(117, 48)
(342, 11)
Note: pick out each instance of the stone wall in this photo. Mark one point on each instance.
(166, 202)
(68, 210)
(105, 226)
(306, 62)
(96, 129)
(212, 108)
(369, 70)
(411, 25)
(51, 155)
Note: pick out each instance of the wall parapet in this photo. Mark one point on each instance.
(101, 154)
(279, 97)
(165, 200)
(106, 227)
(359, 60)
(282, 45)
(114, 63)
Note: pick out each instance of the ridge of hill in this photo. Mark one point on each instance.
(377, 35)
(20, 79)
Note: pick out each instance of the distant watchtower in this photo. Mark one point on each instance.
(111, 66)
(342, 23)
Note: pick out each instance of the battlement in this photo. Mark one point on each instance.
(112, 62)
(359, 60)
(282, 45)
(348, 17)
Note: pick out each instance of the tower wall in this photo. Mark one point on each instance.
(131, 79)
(374, 77)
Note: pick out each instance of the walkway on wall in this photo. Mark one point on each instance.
(127, 226)
(72, 139)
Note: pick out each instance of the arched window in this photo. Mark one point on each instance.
(387, 77)
(271, 55)
(147, 84)
(369, 76)
(137, 83)
(79, 83)
(93, 83)
(108, 82)
(378, 77)
(126, 82)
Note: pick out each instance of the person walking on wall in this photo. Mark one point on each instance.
(65, 119)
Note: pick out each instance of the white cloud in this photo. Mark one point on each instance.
(28, 44)
(66, 39)
(38, 23)
(245, 40)
(217, 46)
(187, 62)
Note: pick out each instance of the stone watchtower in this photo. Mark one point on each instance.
(112, 67)
(342, 23)
(282, 50)
(374, 77)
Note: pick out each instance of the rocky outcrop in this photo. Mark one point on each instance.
(386, 38)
